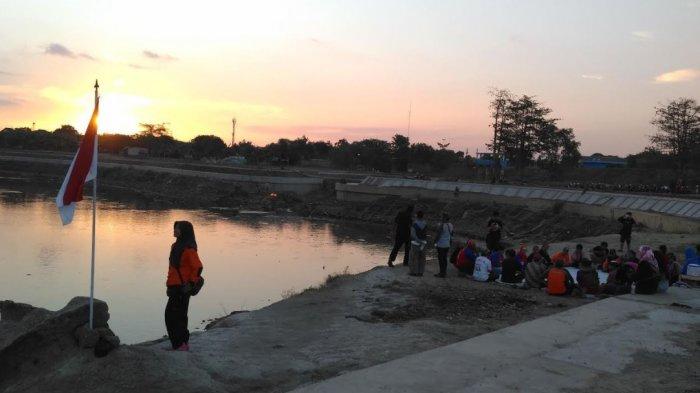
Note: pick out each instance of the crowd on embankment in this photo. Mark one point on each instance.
(601, 270)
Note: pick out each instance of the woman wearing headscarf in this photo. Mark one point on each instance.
(647, 277)
(184, 269)
(521, 256)
(466, 259)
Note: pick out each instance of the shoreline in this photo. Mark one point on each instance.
(350, 322)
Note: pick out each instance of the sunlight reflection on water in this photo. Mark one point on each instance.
(249, 261)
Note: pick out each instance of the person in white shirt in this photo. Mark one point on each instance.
(443, 241)
(482, 269)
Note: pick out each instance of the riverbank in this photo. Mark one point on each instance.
(149, 190)
(349, 323)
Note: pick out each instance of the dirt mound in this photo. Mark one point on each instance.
(453, 303)
(470, 218)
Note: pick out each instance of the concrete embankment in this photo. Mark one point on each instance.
(659, 213)
(293, 184)
(590, 348)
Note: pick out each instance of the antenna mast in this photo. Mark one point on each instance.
(233, 131)
(408, 129)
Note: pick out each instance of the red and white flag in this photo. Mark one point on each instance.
(82, 169)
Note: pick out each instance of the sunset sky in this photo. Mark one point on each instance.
(347, 69)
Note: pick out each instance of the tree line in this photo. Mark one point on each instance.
(524, 134)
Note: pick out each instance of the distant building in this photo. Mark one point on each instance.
(233, 160)
(133, 151)
(485, 159)
(598, 160)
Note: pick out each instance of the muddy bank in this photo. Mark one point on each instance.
(148, 190)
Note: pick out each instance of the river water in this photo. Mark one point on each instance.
(249, 261)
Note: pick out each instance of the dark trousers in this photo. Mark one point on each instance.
(398, 243)
(176, 319)
(442, 259)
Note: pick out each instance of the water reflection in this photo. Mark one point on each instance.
(249, 261)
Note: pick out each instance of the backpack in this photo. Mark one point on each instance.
(190, 288)
(421, 233)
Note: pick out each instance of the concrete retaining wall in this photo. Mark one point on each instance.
(660, 213)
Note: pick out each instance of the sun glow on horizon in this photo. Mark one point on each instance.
(119, 112)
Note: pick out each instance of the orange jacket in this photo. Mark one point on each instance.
(561, 256)
(190, 266)
(556, 281)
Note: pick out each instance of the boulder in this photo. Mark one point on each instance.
(33, 338)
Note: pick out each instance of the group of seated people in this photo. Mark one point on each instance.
(645, 271)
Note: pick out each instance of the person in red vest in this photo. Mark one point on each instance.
(559, 281)
(184, 269)
(563, 256)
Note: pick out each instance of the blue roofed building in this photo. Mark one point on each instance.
(598, 160)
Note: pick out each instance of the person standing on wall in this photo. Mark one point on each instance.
(184, 280)
(626, 231)
(402, 231)
(443, 241)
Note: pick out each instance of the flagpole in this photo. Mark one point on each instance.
(94, 209)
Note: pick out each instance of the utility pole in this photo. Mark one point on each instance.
(408, 129)
(408, 132)
(233, 131)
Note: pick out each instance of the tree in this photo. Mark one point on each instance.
(247, 149)
(67, 131)
(525, 120)
(341, 155)
(207, 146)
(372, 154)
(156, 130)
(400, 151)
(678, 126)
(570, 153)
(499, 104)
(421, 153)
(114, 143)
(157, 139)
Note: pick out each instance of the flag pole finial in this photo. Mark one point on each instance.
(97, 87)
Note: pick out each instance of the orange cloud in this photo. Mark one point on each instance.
(683, 75)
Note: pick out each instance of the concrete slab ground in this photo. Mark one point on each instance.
(568, 351)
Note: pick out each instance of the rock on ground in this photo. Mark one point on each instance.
(34, 340)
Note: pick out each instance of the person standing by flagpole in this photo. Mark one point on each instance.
(82, 169)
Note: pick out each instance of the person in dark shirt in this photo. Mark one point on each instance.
(544, 251)
(511, 270)
(646, 278)
(599, 254)
(402, 230)
(535, 255)
(626, 231)
(493, 236)
(587, 279)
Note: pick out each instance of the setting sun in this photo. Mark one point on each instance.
(118, 113)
